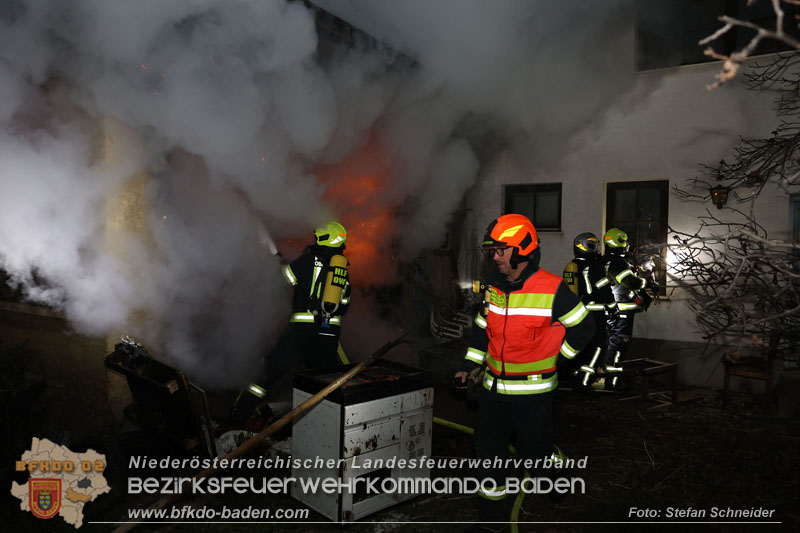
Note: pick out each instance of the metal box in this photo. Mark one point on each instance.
(383, 414)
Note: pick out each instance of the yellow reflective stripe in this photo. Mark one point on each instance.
(497, 494)
(627, 306)
(592, 306)
(587, 369)
(526, 311)
(613, 369)
(256, 390)
(302, 317)
(535, 366)
(346, 301)
(475, 355)
(644, 283)
(602, 283)
(289, 275)
(533, 385)
(480, 321)
(596, 356)
(572, 318)
(530, 300)
(317, 270)
(624, 274)
(568, 351)
(308, 318)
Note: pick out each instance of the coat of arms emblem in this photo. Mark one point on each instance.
(44, 497)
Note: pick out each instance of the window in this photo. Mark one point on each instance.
(539, 202)
(639, 208)
(667, 33)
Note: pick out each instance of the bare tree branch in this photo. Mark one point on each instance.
(732, 63)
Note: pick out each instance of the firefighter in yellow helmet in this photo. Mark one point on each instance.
(529, 319)
(320, 299)
(630, 297)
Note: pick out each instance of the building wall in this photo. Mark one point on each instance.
(663, 129)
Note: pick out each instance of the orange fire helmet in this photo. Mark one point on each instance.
(512, 230)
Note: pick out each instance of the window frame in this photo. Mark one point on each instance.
(511, 188)
(612, 220)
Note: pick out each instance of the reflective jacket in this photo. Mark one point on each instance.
(624, 283)
(521, 330)
(591, 283)
(308, 273)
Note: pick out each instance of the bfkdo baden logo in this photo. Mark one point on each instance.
(61, 481)
(44, 497)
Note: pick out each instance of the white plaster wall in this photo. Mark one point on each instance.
(663, 129)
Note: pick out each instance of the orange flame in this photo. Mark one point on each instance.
(357, 190)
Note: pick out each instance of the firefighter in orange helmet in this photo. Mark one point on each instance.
(529, 318)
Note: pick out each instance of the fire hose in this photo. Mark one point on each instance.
(278, 424)
(521, 495)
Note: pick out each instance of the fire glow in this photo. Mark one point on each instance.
(356, 188)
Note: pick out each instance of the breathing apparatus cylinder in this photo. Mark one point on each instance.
(571, 276)
(482, 287)
(335, 282)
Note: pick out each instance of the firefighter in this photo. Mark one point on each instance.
(321, 297)
(630, 297)
(528, 318)
(582, 276)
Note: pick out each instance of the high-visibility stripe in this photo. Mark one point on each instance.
(587, 369)
(527, 311)
(586, 279)
(256, 390)
(531, 300)
(533, 385)
(613, 369)
(289, 275)
(568, 351)
(480, 321)
(309, 318)
(644, 284)
(572, 318)
(346, 301)
(317, 270)
(627, 306)
(592, 306)
(523, 368)
(624, 274)
(595, 356)
(498, 494)
(602, 283)
(476, 356)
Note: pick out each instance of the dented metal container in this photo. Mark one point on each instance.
(364, 437)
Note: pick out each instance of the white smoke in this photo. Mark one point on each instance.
(232, 110)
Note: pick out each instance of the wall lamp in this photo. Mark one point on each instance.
(719, 195)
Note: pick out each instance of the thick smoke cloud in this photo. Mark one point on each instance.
(228, 109)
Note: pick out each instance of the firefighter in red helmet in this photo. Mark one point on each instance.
(529, 317)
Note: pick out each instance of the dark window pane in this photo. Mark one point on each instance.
(545, 212)
(626, 204)
(539, 202)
